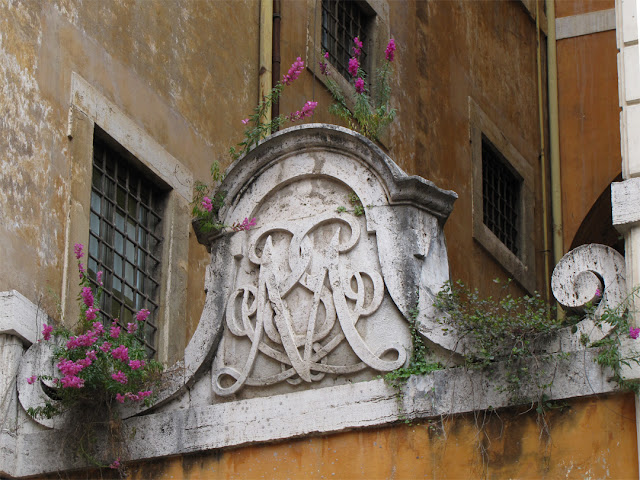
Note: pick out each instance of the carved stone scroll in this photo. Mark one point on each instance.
(593, 274)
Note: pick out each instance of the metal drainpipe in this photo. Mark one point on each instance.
(266, 34)
(543, 162)
(275, 62)
(554, 137)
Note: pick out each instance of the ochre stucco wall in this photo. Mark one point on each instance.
(593, 438)
(588, 117)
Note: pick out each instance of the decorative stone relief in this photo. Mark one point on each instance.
(319, 294)
(576, 279)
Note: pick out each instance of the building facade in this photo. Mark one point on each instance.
(113, 111)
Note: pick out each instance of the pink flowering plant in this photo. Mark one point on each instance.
(259, 126)
(97, 362)
(371, 111)
(208, 198)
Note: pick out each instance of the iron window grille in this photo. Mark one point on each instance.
(341, 22)
(500, 197)
(123, 240)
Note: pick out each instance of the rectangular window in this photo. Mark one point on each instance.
(124, 238)
(342, 21)
(503, 203)
(500, 196)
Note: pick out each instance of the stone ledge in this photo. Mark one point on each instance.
(322, 411)
(20, 317)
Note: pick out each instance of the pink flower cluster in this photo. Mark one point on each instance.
(87, 296)
(133, 396)
(142, 315)
(294, 72)
(324, 68)
(307, 111)
(84, 340)
(77, 250)
(120, 353)
(31, 380)
(114, 332)
(390, 51)
(206, 204)
(245, 225)
(46, 332)
(354, 65)
(71, 369)
(91, 314)
(72, 382)
(120, 377)
(634, 332)
(357, 50)
(136, 364)
(132, 327)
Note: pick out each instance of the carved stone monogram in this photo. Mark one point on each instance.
(319, 293)
(302, 292)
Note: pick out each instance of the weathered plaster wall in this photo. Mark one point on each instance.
(588, 116)
(487, 51)
(159, 62)
(592, 438)
(448, 52)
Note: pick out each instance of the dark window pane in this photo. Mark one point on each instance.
(342, 21)
(500, 196)
(120, 222)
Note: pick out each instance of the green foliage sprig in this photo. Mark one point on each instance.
(609, 347)
(419, 363)
(509, 329)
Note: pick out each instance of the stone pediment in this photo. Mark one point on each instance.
(346, 246)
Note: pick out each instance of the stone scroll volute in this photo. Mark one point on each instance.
(315, 295)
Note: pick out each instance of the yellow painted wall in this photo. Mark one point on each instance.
(592, 438)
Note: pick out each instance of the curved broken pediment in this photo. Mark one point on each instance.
(346, 246)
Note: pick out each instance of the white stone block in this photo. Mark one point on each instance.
(20, 317)
(629, 21)
(632, 114)
(631, 73)
(625, 203)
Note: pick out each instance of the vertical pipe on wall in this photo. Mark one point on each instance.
(266, 54)
(275, 62)
(543, 161)
(554, 137)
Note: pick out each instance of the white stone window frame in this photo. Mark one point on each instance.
(520, 267)
(88, 109)
(378, 33)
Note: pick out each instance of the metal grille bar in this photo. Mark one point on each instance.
(123, 240)
(500, 197)
(341, 22)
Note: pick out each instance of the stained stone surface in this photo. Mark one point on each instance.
(323, 286)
